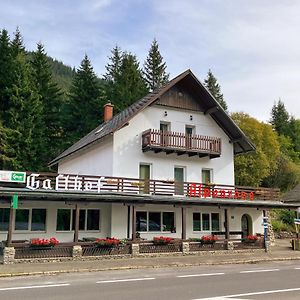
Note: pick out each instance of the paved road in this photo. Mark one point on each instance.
(263, 281)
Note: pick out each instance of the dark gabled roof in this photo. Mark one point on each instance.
(241, 142)
(292, 196)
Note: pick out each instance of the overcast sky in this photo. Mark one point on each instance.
(252, 47)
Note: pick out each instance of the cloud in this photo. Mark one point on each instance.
(252, 47)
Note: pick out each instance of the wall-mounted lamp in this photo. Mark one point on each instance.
(166, 113)
(191, 118)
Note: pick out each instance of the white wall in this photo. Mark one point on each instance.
(128, 150)
(95, 160)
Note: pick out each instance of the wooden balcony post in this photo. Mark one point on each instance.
(183, 223)
(11, 225)
(133, 223)
(76, 229)
(226, 224)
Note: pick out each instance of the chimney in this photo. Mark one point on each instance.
(108, 111)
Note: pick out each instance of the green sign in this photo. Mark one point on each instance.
(14, 203)
(12, 176)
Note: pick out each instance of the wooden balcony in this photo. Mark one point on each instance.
(180, 143)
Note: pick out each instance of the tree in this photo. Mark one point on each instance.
(252, 168)
(51, 103)
(214, 88)
(280, 118)
(154, 68)
(124, 81)
(83, 111)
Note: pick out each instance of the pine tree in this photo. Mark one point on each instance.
(280, 118)
(83, 112)
(51, 101)
(129, 85)
(113, 68)
(214, 88)
(154, 68)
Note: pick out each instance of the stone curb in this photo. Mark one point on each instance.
(244, 261)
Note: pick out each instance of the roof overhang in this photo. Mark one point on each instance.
(125, 198)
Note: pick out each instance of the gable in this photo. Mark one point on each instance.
(179, 97)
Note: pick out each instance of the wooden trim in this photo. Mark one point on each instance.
(11, 225)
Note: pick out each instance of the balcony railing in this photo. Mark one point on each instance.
(168, 187)
(180, 143)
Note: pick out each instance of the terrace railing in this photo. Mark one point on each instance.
(180, 143)
(168, 187)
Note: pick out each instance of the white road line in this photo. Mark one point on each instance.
(199, 275)
(252, 294)
(297, 268)
(34, 287)
(258, 271)
(126, 280)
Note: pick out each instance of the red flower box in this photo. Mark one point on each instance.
(108, 242)
(161, 240)
(42, 243)
(208, 239)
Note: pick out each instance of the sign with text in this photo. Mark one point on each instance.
(12, 176)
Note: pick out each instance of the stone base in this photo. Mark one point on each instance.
(8, 255)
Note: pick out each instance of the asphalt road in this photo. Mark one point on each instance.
(279, 280)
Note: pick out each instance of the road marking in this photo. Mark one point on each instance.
(199, 275)
(258, 271)
(251, 294)
(126, 280)
(297, 268)
(34, 287)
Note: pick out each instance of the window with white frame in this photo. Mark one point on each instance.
(89, 219)
(155, 221)
(33, 219)
(206, 221)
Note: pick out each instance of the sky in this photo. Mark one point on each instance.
(252, 47)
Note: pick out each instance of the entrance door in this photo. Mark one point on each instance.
(189, 131)
(246, 223)
(179, 180)
(164, 128)
(145, 175)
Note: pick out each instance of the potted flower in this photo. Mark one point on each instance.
(208, 239)
(43, 243)
(161, 240)
(107, 242)
(250, 239)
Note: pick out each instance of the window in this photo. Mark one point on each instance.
(141, 221)
(4, 219)
(206, 176)
(145, 176)
(22, 219)
(179, 180)
(196, 222)
(155, 221)
(189, 131)
(215, 222)
(38, 219)
(89, 219)
(205, 222)
(63, 220)
(93, 219)
(168, 221)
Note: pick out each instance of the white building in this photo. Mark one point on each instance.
(164, 166)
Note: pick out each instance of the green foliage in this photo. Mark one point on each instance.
(279, 226)
(252, 168)
(154, 68)
(83, 111)
(214, 88)
(280, 118)
(125, 82)
(283, 220)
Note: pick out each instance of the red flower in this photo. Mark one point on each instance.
(44, 242)
(252, 237)
(209, 238)
(108, 242)
(162, 240)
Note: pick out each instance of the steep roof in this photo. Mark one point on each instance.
(293, 195)
(211, 106)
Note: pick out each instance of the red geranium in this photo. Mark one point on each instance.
(161, 240)
(44, 242)
(252, 237)
(209, 238)
(108, 242)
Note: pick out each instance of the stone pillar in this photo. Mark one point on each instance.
(8, 255)
(77, 252)
(185, 247)
(229, 246)
(135, 249)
